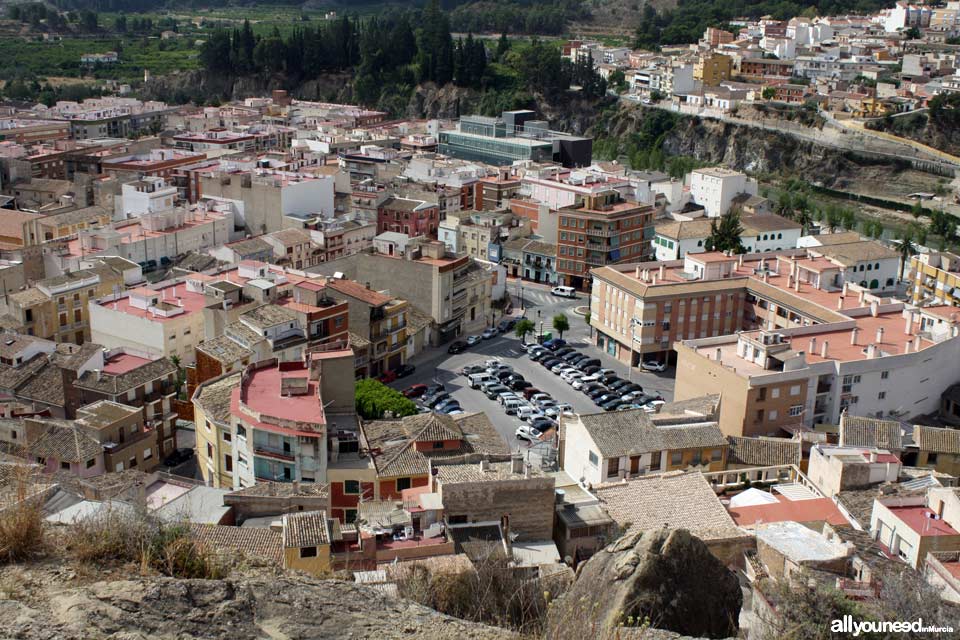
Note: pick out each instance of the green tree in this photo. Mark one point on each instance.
(523, 328)
(503, 45)
(907, 249)
(768, 93)
(943, 225)
(561, 323)
(916, 210)
(373, 399)
(725, 233)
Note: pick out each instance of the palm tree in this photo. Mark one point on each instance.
(561, 323)
(906, 250)
(785, 204)
(804, 218)
(522, 328)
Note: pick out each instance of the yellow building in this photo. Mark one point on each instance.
(57, 308)
(712, 69)
(935, 278)
(380, 318)
(211, 414)
(306, 542)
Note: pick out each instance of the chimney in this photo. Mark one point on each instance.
(860, 296)
(916, 343)
(296, 486)
(880, 335)
(740, 260)
(526, 471)
(516, 464)
(906, 347)
(813, 345)
(840, 302)
(663, 271)
(871, 351)
(484, 464)
(796, 285)
(368, 285)
(824, 349)
(908, 324)
(789, 280)
(764, 276)
(874, 308)
(654, 279)
(873, 456)
(639, 273)
(853, 335)
(844, 289)
(719, 359)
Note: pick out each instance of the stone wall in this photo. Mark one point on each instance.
(529, 502)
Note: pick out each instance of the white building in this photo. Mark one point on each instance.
(714, 188)
(145, 196)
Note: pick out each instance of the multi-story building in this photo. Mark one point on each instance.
(676, 238)
(58, 308)
(910, 527)
(338, 238)
(715, 188)
(293, 248)
(603, 229)
(712, 68)
(514, 136)
(412, 217)
(473, 232)
(214, 432)
(281, 416)
(378, 317)
(935, 278)
(765, 69)
(455, 292)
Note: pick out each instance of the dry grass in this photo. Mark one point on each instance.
(21, 520)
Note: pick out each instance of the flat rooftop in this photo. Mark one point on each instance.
(123, 363)
(262, 394)
(922, 520)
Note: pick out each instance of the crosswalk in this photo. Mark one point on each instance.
(538, 298)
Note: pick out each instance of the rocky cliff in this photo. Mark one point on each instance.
(46, 607)
(665, 579)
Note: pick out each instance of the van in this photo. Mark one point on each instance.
(512, 405)
(477, 379)
(564, 292)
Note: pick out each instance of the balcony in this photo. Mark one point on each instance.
(601, 233)
(266, 451)
(597, 261)
(129, 440)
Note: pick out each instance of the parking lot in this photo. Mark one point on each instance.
(438, 366)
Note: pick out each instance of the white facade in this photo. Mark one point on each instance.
(146, 196)
(715, 188)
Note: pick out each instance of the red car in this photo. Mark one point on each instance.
(387, 377)
(415, 391)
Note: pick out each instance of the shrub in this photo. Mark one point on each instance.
(21, 524)
(373, 399)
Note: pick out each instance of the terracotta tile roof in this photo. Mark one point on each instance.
(11, 222)
(359, 292)
(629, 433)
(224, 349)
(65, 441)
(472, 473)
(937, 440)
(260, 542)
(305, 529)
(290, 237)
(763, 452)
(857, 431)
(115, 384)
(684, 229)
(213, 397)
(674, 499)
(269, 489)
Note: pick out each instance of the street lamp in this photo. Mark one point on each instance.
(540, 325)
(522, 302)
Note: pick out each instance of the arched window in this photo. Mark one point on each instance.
(874, 283)
(779, 236)
(876, 266)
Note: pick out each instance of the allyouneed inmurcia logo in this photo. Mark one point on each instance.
(848, 625)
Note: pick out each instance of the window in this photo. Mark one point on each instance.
(762, 394)
(92, 462)
(65, 466)
(147, 453)
(774, 415)
(206, 423)
(132, 463)
(931, 458)
(884, 375)
(613, 467)
(759, 416)
(308, 552)
(403, 483)
(351, 487)
(882, 395)
(676, 458)
(655, 461)
(775, 392)
(228, 463)
(795, 410)
(210, 451)
(594, 460)
(241, 431)
(716, 455)
(438, 444)
(795, 390)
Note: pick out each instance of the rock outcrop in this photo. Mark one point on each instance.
(279, 607)
(666, 578)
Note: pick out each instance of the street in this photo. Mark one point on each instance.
(436, 365)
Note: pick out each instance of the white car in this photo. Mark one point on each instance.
(526, 432)
(653, 406)
(537, 397)
(546, 404)
(553, 412)
(570, 376)
(653, 365)
(507, 395)
(490, 332)
(529, 412)
(605, 372)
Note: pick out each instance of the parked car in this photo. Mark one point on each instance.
(520, 385)
(596, 393)
(591, 370)
(607, 372)
(610, 405)
(533, 346)
(542, 424)
(494, 390)
(405, 370)
(550, 363)
(529, 412)
(506, 324)
(387, 377)
(588, 362)
(562, 351)
(529, 392)
(178, 457)
(498, 367)
(605, 398)
(457, 347)
(439, 399)
(570, 376)
(618, 383)
(490, 332)
(435, 388)
(540, 396)
(653, 365)
(503, 396)
(503, 375)
(470, 369)
(554, 411)
(653, 406)
(415, 390)
(560, 366)
(628, 407)
(512, 405)
(473, 340)
(447, 405)
(527, 432)
(555, 343)
(540, 356)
